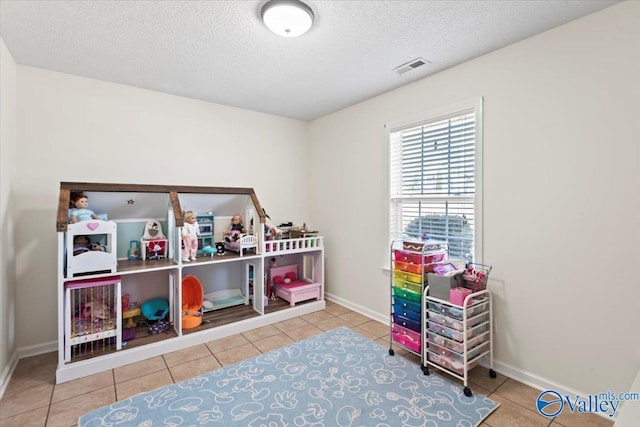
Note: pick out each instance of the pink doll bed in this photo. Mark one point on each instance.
(286, 284)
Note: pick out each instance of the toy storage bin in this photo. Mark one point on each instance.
(457, 335)
(415, 336)
(456, 312)
(406, 322)
(414, 258)
(458, 295)
(457, 324)
(408, 305)
(440, 286)
(452, 365)
(409, 314)
(455, 345)
(407, 341)
(457, 357)
(407, 294)
(408, 267)
(475, 276)
(413, 287)
(407, 277)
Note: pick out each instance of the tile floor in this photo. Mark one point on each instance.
(33, 399)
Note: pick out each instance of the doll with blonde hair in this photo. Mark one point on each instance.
(190, 233)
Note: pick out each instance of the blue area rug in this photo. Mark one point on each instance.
(339, 378)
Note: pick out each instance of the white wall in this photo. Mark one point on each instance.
(561, 199)
(7, 217)
(78, 129)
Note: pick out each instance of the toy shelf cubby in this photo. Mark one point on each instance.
(125, 209)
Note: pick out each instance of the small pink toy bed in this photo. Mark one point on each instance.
(287, 285)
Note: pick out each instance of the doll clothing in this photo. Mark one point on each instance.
(81, 214)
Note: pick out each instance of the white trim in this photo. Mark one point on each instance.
(5, 377)
(384, 319)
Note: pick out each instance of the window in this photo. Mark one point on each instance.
(435, 179)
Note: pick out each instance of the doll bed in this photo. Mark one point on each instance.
(246, 241)
(222, 299)
(92, 261)
(297, 289)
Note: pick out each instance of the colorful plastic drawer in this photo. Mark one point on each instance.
(413, 287)
(407, 304)
(406, 341)
(452, 365)
(455, 312)
(457, 335)
(455, 345)
(409, 314)
(408, 277)
(408, 267)
(455, 356)
(456, 324)
(415, 336)
(406, 322)
(416, 258)
(406, 294)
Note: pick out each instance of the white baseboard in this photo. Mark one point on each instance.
(5, 377)
(35, 350)
(358, 308)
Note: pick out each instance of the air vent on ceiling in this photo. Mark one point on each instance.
(411, 65)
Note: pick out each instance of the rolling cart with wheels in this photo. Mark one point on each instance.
(410, 261)
(457, 337)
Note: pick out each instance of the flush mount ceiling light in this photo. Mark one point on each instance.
(287, 18)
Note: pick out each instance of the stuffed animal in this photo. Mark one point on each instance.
(220, 248)
(95, 311)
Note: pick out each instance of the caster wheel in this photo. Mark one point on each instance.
(467, 392)
(391, 353)
(425, 370)
(492, 373)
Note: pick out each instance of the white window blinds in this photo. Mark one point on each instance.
(434, 177)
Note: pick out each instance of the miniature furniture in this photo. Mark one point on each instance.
(154, 244)
(92, 316)
(192, 298)
(246, 241)
(286, 284)
(206, 231)
(92, 261)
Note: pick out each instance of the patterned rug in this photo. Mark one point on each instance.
(339, 378)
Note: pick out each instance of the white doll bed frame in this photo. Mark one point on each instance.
(92, 261)
(246, 241)
(297, 290)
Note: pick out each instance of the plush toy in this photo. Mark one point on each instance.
(220, 248)
(97, 247)
(95, 311)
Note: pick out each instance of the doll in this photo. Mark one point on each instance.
(190, 232)
(235, 229)
(79, 209)
(82, 244)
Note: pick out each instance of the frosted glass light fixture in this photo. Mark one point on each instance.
(287, 18)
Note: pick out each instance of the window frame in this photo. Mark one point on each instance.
(474, 106)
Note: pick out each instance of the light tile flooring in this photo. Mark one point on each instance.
(33, 399)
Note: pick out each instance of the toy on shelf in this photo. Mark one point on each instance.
(190, 233)
(154, 244)
(287, 285)
(85, 257)
(79, 208)
(192, 298)
(235, 240)
(155, 310)
(134, 251)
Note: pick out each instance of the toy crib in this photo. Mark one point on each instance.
(93, 317)
(287, 285)
(246, 241)
(92, 261)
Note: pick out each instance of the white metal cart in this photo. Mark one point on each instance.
(457, 337)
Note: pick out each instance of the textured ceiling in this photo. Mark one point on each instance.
(219, 51)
